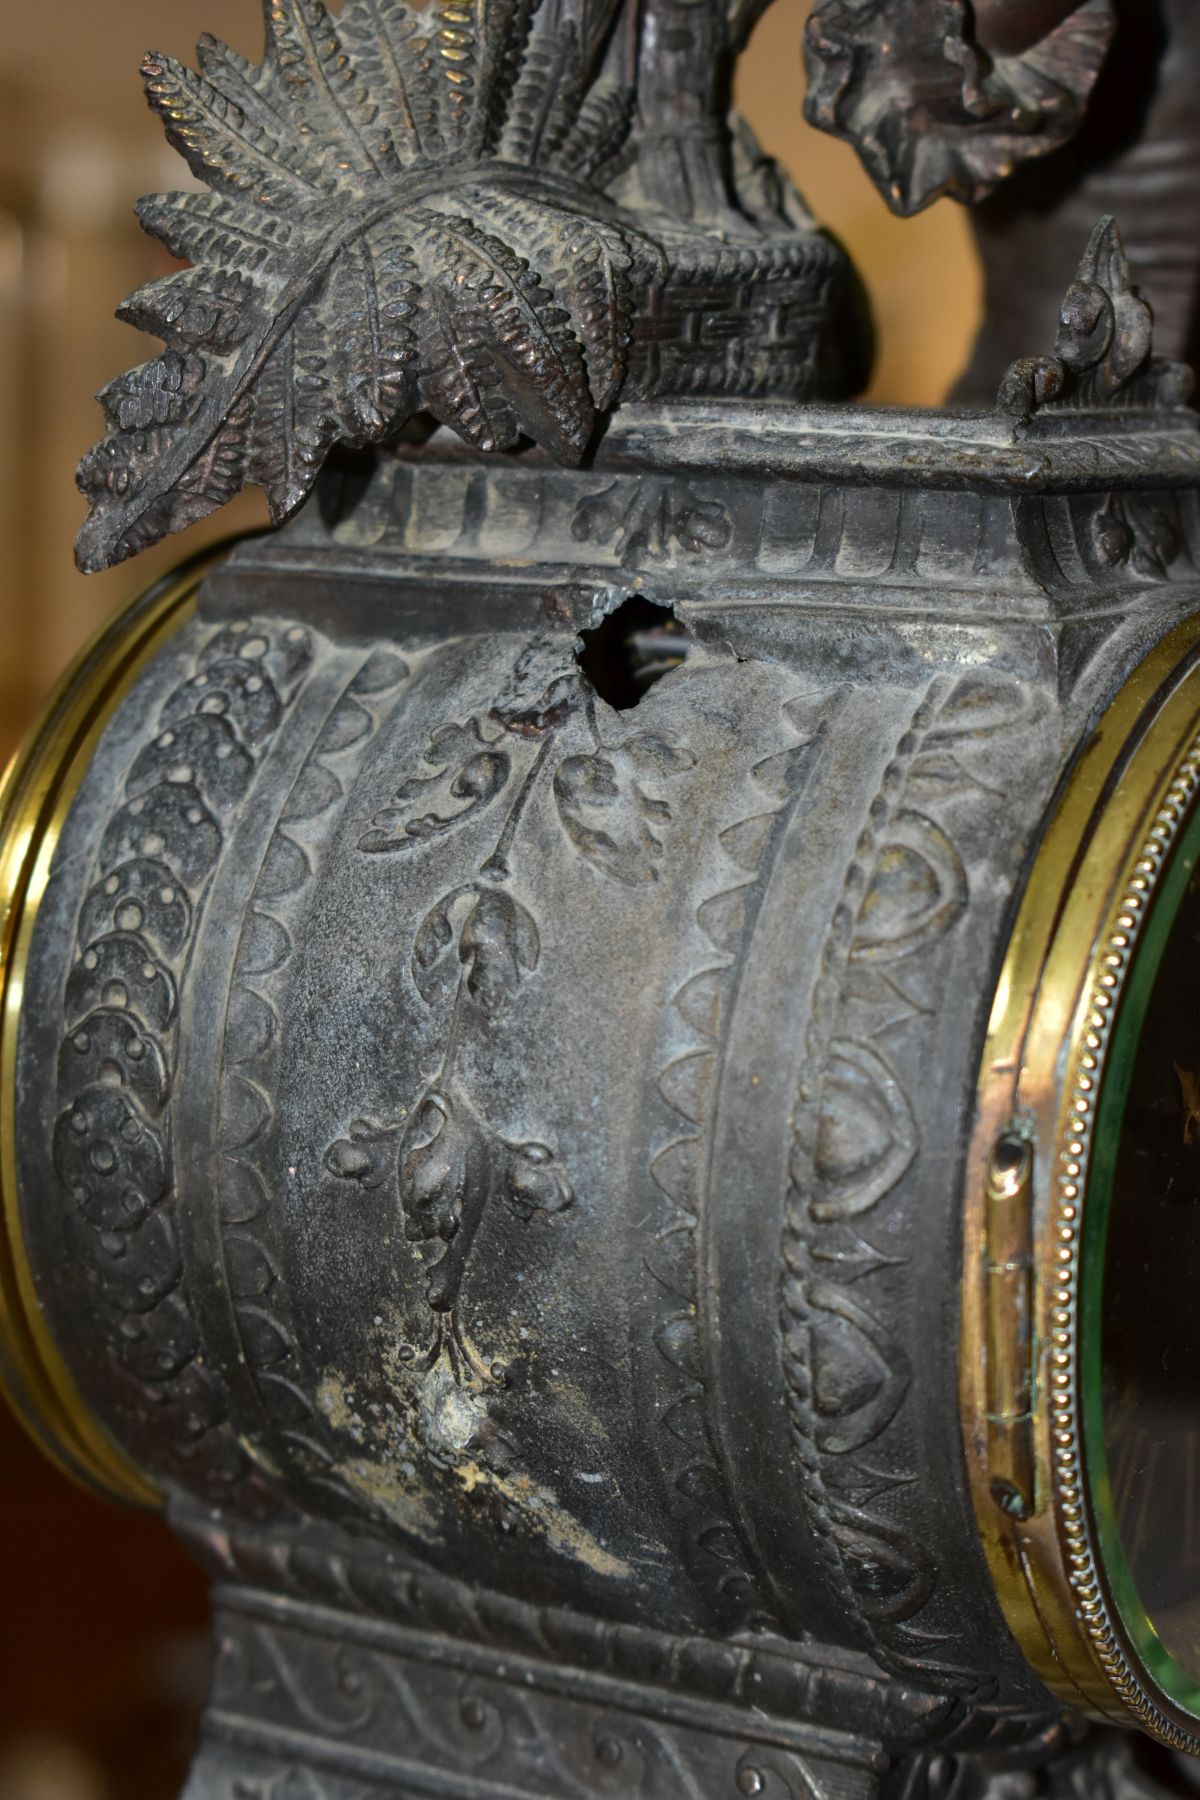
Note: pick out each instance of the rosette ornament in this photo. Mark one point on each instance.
(404, 215)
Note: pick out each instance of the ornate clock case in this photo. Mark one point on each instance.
(562, 1014)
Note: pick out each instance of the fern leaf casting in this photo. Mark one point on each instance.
(398, 220)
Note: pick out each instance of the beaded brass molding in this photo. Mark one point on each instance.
(35, 796)
(1089, 894)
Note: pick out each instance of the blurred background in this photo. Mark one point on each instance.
(102, 1661)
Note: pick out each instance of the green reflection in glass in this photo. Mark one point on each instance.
(1140, 1291)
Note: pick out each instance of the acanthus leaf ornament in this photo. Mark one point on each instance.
(398, 220)
(1104, 354)
(472, 771)
(1104, 362)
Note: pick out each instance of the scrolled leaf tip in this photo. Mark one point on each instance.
(330, 297)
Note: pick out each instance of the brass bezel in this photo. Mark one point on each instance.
(36, 795)
(1087, 898)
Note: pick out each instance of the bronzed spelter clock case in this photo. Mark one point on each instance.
(600, 1055)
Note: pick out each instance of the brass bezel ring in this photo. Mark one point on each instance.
(1090, 892)
(35, 797)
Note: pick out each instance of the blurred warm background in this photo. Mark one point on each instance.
(102, 1655)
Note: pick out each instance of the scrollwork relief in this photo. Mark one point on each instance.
(353, 1574)
(408, 1715)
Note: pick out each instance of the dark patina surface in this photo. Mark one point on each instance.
(533, 1227)
(500, 1038)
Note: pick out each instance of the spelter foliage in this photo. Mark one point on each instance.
(399, 220)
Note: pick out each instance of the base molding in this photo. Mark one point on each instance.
(312, 1704)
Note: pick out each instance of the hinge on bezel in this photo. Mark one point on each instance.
(1008, 1328)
